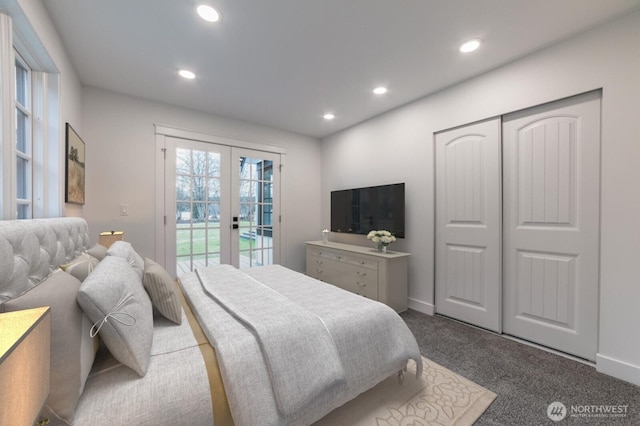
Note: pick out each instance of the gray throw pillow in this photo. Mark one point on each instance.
(98, 251)
(162, 291)
(72, 348)
(125, 250)
(115, 301)
(81, 266)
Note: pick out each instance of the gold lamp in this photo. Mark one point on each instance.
(109, 237)
(24, 365)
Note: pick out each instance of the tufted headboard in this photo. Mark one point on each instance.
(31, 249)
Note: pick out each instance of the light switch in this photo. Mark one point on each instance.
(124, 209)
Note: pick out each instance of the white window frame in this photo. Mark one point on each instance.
(27, 155)
(46, 129)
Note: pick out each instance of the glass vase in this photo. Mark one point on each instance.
(381, 248)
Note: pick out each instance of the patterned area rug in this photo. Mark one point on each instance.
(440, 397)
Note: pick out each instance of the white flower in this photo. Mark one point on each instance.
(381, 236)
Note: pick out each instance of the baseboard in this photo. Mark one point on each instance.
(618, 369)
(420, 306)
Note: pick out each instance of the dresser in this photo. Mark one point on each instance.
(361, 270)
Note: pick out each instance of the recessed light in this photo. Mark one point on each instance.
(381, 90)
(470, 46)
(329, 116)
(208, 12)
(189, 75)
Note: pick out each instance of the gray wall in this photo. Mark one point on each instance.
(398, 146)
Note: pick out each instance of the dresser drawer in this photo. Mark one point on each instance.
(361, 263)
(313, 265)
(359, 270)
(366, 287)
(339, 256)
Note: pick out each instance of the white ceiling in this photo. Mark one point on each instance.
(284, 63)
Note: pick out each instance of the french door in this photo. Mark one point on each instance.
(221, 205)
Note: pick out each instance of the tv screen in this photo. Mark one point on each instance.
(360, 210)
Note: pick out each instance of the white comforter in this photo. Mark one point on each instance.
(357, 342)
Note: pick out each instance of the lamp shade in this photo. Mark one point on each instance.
(109, 237)
(24, 365)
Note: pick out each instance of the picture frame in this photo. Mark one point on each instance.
(74, 167)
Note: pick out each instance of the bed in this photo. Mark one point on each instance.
(130, 345)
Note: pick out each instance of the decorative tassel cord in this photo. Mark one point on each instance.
(94, 331)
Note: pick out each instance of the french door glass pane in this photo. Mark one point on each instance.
(213, 164)
(183, 161)
(213, 240)
(256, 198)
(197, 209)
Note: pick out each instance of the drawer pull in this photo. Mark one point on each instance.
(362, 274)
(360, 284)
(319, 262)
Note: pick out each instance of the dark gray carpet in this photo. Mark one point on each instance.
(526, 379)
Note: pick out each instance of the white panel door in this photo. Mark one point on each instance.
(551, 224)
(468, 224)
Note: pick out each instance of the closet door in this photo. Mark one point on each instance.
(468, 224)
(551, 224)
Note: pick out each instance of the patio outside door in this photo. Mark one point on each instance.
(221, 206)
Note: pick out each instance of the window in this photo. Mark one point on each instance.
(24, 145)
(31, 166)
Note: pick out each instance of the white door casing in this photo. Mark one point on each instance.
(551, 224)
(468, 283)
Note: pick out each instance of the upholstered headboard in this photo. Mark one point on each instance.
(31, 249)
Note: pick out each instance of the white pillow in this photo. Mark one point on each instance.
(113, 298)
(125, 250)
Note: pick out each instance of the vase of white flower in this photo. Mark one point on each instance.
(382, 239)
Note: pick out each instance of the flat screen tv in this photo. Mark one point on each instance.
(360, 210)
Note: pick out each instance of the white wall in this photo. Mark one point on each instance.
(398, 146)
(119, 134)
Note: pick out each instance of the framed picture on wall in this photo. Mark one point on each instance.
(74, 167)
